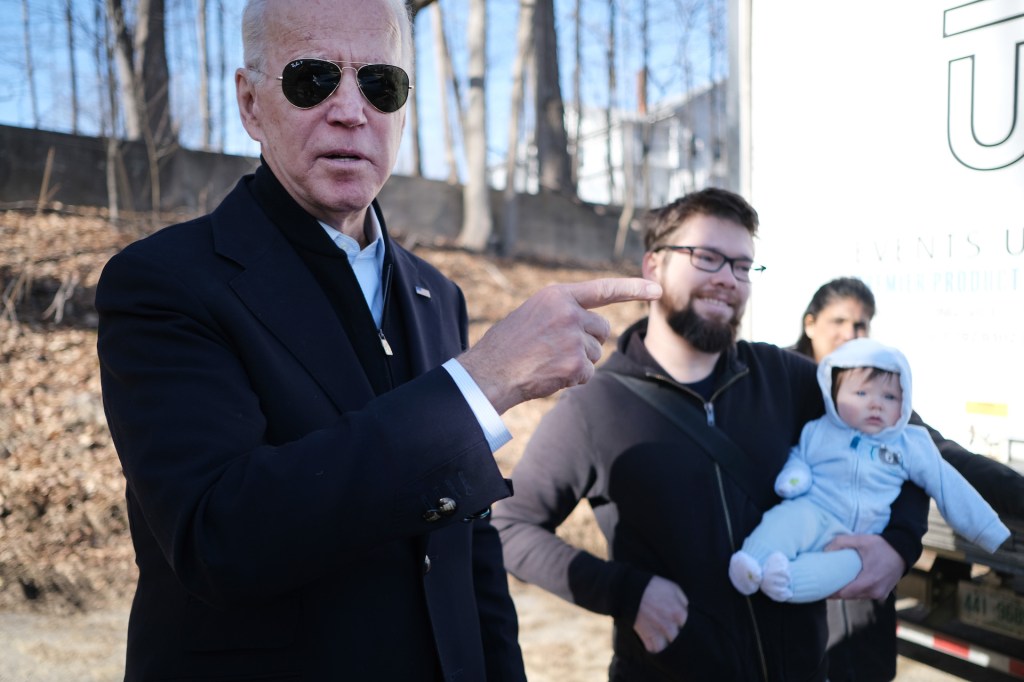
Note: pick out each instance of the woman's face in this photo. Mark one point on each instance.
(839, 321)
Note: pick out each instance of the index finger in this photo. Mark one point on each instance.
(595, 293)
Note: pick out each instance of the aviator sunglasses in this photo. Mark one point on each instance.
(308, 82)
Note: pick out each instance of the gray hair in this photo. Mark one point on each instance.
(254, 34)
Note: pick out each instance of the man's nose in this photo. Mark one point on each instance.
(346, 102)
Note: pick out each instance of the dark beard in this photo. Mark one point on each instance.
(707, 336)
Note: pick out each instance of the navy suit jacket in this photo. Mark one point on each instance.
(278, 508)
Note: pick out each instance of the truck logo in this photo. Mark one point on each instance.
(986, 83)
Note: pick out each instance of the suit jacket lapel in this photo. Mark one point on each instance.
(282, 293)
(422, 321)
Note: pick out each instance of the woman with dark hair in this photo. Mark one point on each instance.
(862, 633)
(840, 310)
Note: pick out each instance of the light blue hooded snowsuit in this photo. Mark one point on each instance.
(853, 478)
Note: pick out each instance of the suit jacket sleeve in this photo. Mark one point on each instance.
(252, 480)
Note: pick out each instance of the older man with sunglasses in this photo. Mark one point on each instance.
(307, 442)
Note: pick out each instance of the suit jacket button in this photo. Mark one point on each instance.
(426, 564)
(447, 506)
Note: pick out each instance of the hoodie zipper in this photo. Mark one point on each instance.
(709, 410)
(709, 413)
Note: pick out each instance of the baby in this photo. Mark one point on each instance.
(844, 473)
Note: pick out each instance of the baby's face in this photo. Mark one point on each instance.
(869, 405)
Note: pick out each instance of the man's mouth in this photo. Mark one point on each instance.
(716, 303)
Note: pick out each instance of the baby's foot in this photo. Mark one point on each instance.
(744, 572)
(776, 580)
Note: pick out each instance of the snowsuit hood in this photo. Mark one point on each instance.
(867, 353)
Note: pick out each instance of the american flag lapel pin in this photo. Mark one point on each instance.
(423, 291)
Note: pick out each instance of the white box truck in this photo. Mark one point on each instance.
(885, 140)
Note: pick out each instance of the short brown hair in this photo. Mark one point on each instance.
(840, 373)
(712, 201)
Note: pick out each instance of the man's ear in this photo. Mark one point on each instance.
(245, 93)
(651, 265)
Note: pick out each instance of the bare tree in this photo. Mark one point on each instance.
(577, 78)
(69, 20)
(124, 56)
(631, 156)
(206, 121)
(413, 120)
(476, 214)
(642, 94)
(100, 53)
(29, 65)
(113, 161)
(552, 141)
(222, 64)
(524, 52)
(610, 56)
(444, 78)
(144, 78)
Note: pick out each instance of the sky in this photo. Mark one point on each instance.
(52, 83)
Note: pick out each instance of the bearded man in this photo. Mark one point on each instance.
(646, 442)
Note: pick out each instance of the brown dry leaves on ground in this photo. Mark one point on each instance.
(64, 543)
(63, 529)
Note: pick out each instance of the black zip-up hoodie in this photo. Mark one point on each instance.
(666, 508)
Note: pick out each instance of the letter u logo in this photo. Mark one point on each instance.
(995, 31)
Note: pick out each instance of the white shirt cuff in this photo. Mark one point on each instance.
(488, 418)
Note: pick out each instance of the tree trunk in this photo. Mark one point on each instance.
(609, 121)
(476, 221)
(108, 104)
(628, 195)
(124, 58)
(144, 77)
(101, 56)
(73, 76)
(552, 141)
(645, 124)
(444, 78)
(413, 116)
(524, 41)
(226, 102)
(29, 67)
(151, 51)
(205, 119)
(577, 80)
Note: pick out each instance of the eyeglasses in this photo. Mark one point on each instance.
(308, 82)
(710, 260)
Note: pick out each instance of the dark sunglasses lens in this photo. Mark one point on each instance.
(384, 86)
(307, 82)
